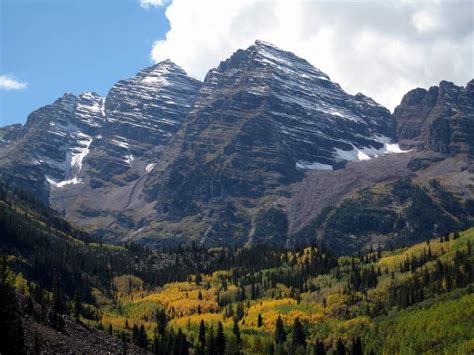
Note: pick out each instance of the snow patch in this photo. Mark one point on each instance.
(150, 167)
(78, 155)
(304, 165)
(367, 153)
(63, 183)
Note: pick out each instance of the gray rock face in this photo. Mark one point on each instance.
(90, 141)
(439, 119)
(151, 106)
(55, 140)
(9, 134)
(263, 117)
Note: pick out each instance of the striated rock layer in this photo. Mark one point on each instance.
(255, 153)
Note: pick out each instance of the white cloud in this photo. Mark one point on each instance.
(9, 82)
(150, 3)
(424, 21)
(382, 49)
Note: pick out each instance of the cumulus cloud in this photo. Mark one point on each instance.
(150, 3)
(382, 49)
(9, 82)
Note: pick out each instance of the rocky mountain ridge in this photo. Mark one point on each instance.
(164, 158)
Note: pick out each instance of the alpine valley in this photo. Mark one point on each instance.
(263, 210)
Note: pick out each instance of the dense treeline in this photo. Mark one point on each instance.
(188, 299)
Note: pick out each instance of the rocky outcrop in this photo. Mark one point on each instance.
(262, 118)
(9, 134)
(439, 119)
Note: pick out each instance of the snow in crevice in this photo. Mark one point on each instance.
(129, 159)
(79, 153)
(72, 165)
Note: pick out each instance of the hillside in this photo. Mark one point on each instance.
(416, 299)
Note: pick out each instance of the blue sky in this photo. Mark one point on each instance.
(71, 45)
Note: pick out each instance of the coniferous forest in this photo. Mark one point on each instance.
(57, 282)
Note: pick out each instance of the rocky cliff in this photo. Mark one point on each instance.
(440, 118)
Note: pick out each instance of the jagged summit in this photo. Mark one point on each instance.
(163, 148)
(286, 61)
(165, 68)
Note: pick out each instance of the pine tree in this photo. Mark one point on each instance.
(357, 346)
(299, 336)
(59, 305)
(340, 348)
(259, 320)
(135, 337)
(239, 313)
(236, 331)
(182, 343)
(319, 348)
(142, 338)
(202, 334)
(161, 321)
(211, 342)
(77, 304)
(280, 334)
(220, 340)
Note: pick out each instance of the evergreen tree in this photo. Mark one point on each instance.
(236, 331)
(220, 340)
(182, 345)
(280, 334)
(135, 337)
(59, 304)
(299, 336)
(202, 334)
(142, 338)
(77, 304)
(239, 313)
(340, 348)
(161, 321)
(357, 346)
(259, 320)
(319, 348)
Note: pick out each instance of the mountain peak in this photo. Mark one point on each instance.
(165, 67)
(260, 43)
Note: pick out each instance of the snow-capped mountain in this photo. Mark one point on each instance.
(89, 139)
(262, 118)
(164, 157)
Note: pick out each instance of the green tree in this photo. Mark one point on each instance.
(77, 304)
(220, 340)
(161, 322)
(202, 334)
(299, 336)
(319, 348)
(236, 331)
(340, 348)
(259, 320)
(357, 346)
(280, 334)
